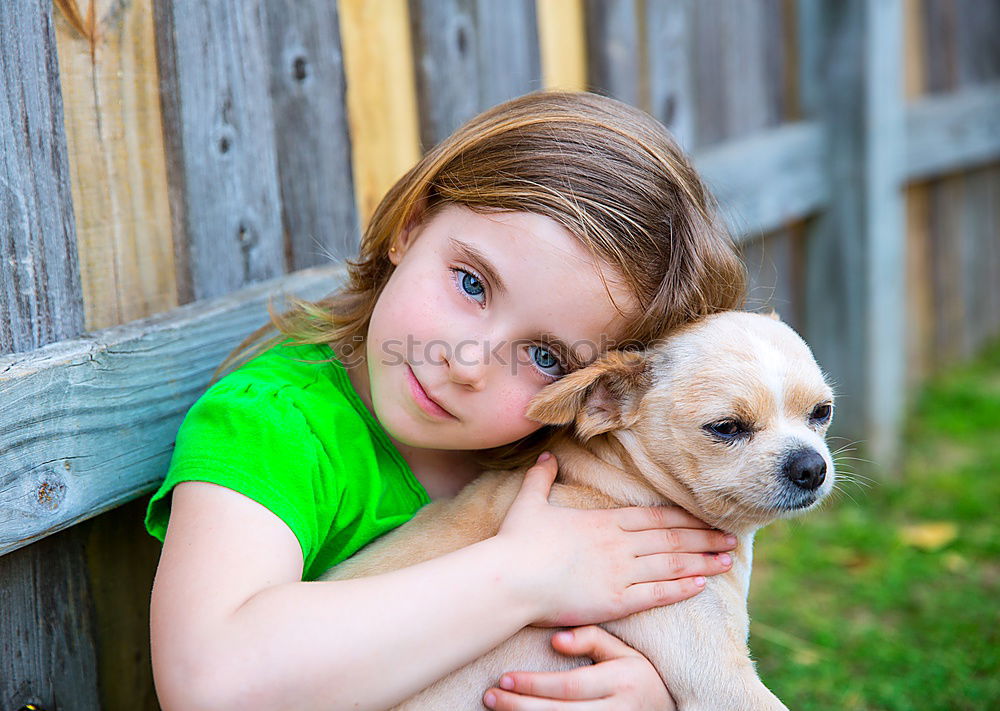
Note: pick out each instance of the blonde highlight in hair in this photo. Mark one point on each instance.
(607, 172)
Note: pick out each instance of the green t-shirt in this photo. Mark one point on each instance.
(296, 438)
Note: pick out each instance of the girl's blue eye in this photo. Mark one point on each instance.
(469, 284)
(544, 358)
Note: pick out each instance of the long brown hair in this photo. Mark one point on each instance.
(606, 171)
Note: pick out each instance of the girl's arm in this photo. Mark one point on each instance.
(232, 626)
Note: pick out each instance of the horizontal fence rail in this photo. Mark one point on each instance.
(110, 405)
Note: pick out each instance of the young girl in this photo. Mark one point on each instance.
(544, 231)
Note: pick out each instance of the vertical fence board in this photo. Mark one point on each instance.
(381, 99)
(47, 652)
(446, 48)
(563, 44)
(668, 29)
(470, 55)
(919, 296)
(308, 92)
(219, 131)
(40, 294)
(614, 43)
(885, 391)
(855, 250)
(509, 59)
(111, 96)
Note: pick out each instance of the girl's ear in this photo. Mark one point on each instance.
(404, 240)
(601, 397)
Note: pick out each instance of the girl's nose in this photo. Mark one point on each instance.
(467, 365)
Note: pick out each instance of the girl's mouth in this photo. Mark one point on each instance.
(423, 399)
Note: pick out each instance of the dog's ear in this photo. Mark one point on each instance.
(773, 314)
(601, 397)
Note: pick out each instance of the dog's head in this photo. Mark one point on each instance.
(729, 411)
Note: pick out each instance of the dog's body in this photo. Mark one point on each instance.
(655, 429)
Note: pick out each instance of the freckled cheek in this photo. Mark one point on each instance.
(511, 404)
(422, 313)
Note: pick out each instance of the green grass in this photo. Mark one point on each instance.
(889, 598)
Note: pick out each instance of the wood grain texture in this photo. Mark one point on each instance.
(446, 65)
(221, 156)
(615, 50)
(563, 44)
(509, 58)
(669, 67)
(40, 293)
(381, 99)
(47, 651)
(308, 93)
(111, 96)
(91, 420)
(470, 55)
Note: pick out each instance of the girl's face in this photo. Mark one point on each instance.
(469, 326)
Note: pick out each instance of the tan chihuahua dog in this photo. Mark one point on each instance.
(725, 418)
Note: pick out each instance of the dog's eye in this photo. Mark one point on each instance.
(727, 429)
(821, 414)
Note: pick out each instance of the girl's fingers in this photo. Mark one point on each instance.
(671, 566)
(643, 596)
(641, 518)
(538, 479)
(593, 641)
(576, 685)
(680, 540)
(589, 682)
(509, 701)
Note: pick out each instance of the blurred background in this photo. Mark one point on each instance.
(163, 153)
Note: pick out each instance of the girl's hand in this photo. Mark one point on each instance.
(621, 678)
(578, 566)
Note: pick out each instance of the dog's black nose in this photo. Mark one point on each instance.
(805, 468)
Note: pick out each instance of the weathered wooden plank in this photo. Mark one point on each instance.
(308, 92)
(89, 423)
(884, 224)
(745, 79)
(40, 293)
(509, 58)
(111, 96)
(919, 296)
(381, 98)
(855, 252)
(668, 29)
(769, 179)
(471, 55)
(614, 50)
(46, 635)
(219, 131)
(953, 131)
(446, 57)
(562, 41)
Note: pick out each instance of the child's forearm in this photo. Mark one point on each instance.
(369, 643)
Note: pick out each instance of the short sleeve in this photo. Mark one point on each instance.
(249, 438)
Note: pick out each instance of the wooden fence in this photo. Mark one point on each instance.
(166, 165)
